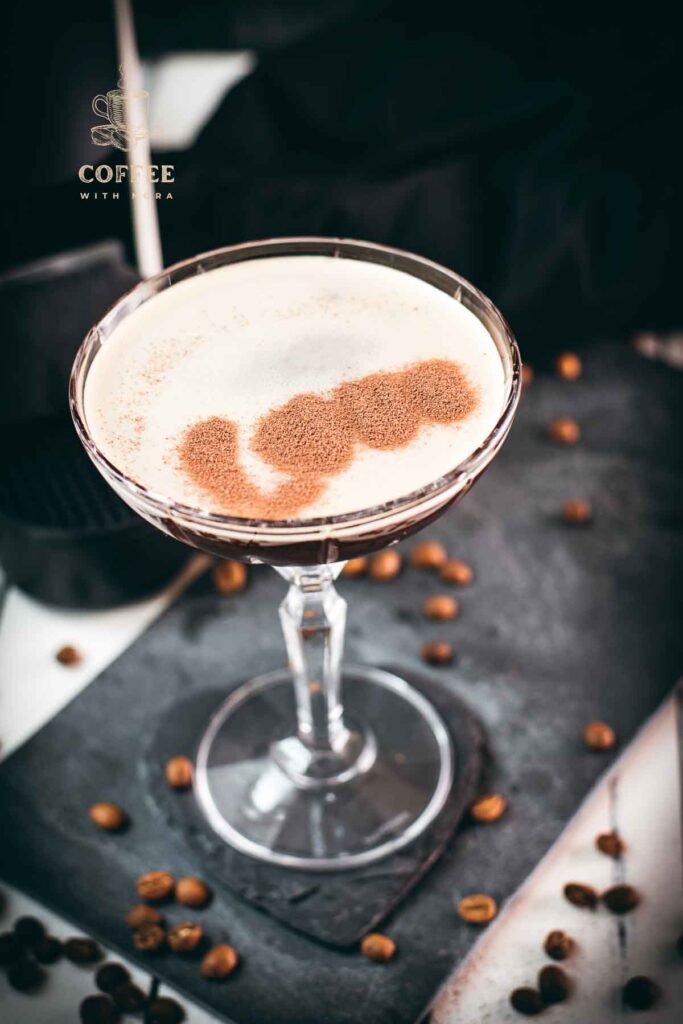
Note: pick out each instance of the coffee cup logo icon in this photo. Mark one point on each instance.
(120, 125)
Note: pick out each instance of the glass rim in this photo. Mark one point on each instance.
(205, 518)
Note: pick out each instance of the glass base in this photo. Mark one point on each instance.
(255, 784)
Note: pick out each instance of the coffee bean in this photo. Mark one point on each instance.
(29, 930)
(581, 895)
(577, 512)
(379, 948)
(429, 554)
(179, 772)
(437, 652)
(98, 1010)
(164, 1011)
(621, 899)
(477, 908)
(641, 993)
(192, 892)
(355, 567)
(456, 572)
(553, 984)
(440, 607)
(611, 844)
(111, 976)
(141, 914)
(129, 998)
(527, 375)
(155, 885)
(564, 431)
(229, 577)
(184, 937)
(82, 950)
(107, 816)
(219, 962)
(25, 975)
(488, 808)
(150, 938)
(48, 950)
(599, 736)
(385, 566)
(11, 949)
(568, 366)
(558, 945)
(527, 1001)
(68, 656)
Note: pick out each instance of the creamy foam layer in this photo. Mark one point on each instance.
(243, 340)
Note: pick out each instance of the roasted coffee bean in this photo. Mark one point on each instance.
(355, 567)
(111, 976)
(219, 962)
(564, 431)
(581, 895)
(48, 950)
(611, 844)
(577, 512)
(527, 375)
(641, 993)
(141, 914)
(429, 554)
(621, 899)
(10, 949)
(385, 566)
(179, 772)
(164, 1011)
(477, 908)
(229, 577)
(192, 892)
(553, 984)
(558, 945)
(68, 655)
(437, 652)
(25, 975)
(108, 816)
(488, 808)
(29, 930)
(129, 998)
(568, 366)
(82, 950)
(456, 572)
(155, 885)
(599, 736)
(527, 1001)
(98, 1010)
(150, 938)
(184, 937)
(440, 607)
(379, 948)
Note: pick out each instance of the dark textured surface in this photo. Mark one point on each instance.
(562, 625)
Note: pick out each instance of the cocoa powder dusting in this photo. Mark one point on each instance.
(313, 437)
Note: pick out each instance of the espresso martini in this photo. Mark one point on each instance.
(294, 387)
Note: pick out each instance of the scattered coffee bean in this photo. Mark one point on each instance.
(29, 931)
(477, 908)
(558, 945)
(184, 937)
(155, 885)
(108, 816)
(82, 950)
(429, 554)
(129, 998)
(527, 1001)
(68, 655)
(621, 899)
(553, 984)
(457, 572)
(488, 808)
(527, 375)
(568, 366)
(98, 1010)
(581, 895)
(150, 938)
(25, 975)
(229, 577)
(385, 566)
(219, 962)
(611, 844)
(564, 430)
(164, 1011)
(10, 949)
(192, 892)
(141, 914)
(179, 772)
(355, 567)
(599, 736)
(437, 652)
(110, 976)
(48, 950)
(641, 993)
(577, 512)
(440, 607)
(379, 948)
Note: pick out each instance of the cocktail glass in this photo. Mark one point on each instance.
(315, 766)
